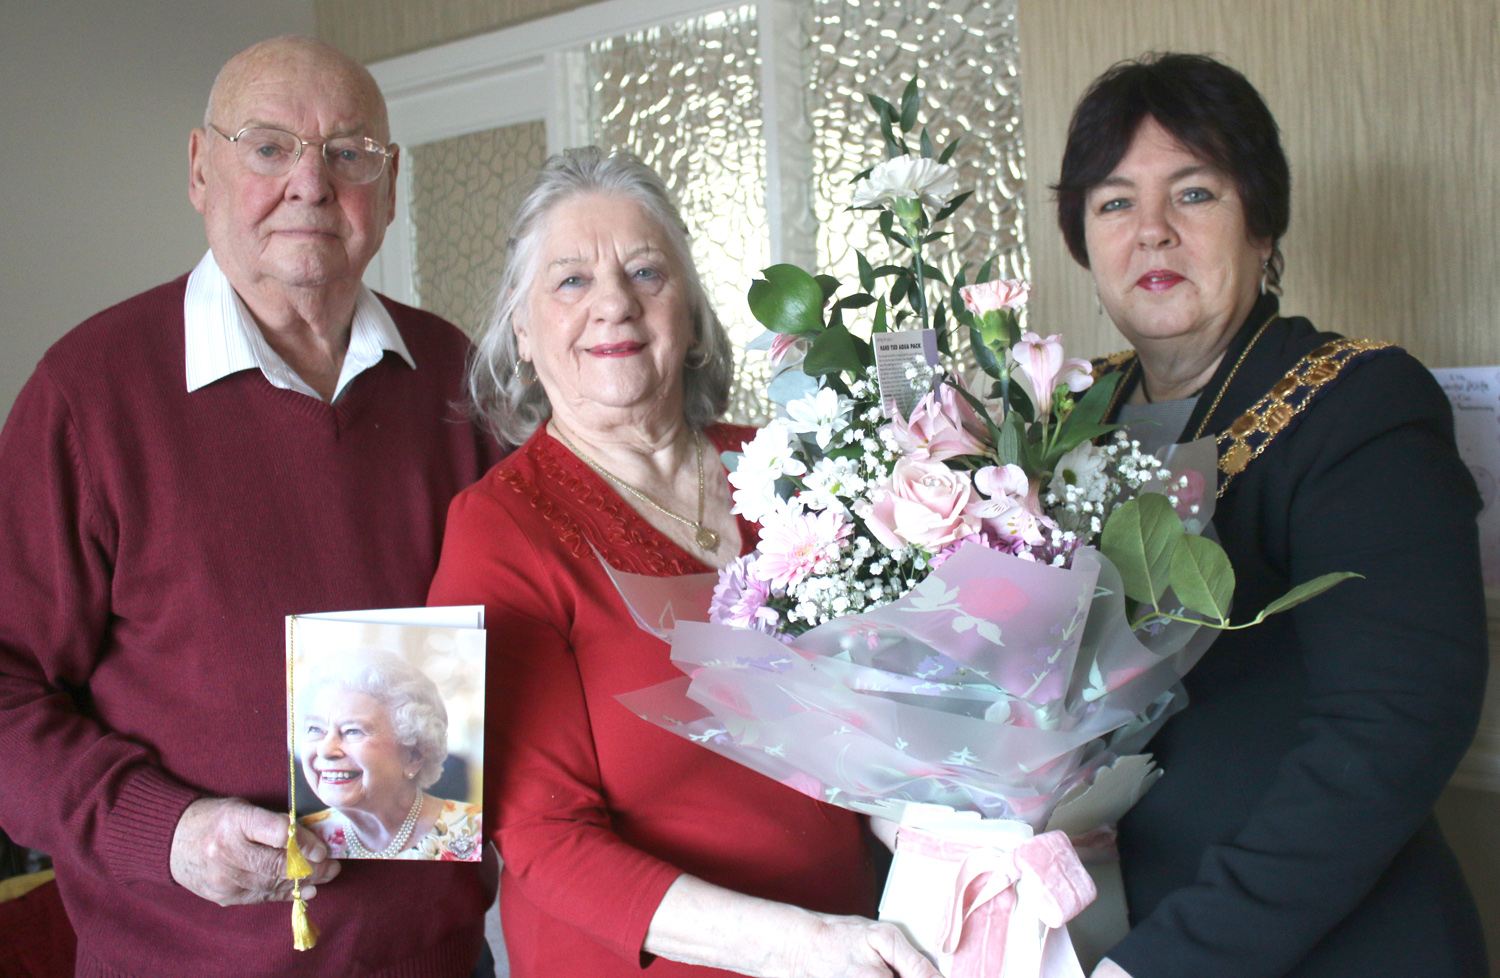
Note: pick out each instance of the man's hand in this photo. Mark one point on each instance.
(228, 851)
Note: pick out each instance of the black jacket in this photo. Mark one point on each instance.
(1292, 834)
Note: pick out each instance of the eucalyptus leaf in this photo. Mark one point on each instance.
(1139, 538)
(1202, 578)
(910, 103)
(1304, 591)
(787, 300)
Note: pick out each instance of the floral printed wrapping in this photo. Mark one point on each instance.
(995, 685)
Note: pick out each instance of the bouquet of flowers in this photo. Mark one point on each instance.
(969, 591)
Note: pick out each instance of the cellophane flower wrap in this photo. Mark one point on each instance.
(969, 591)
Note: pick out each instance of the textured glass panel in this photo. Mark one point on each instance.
(965, 53)
(463, 192)
(685, 98)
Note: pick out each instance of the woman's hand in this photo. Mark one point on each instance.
(699, 923)
(853, 946)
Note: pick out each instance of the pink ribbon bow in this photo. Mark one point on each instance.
(1005, 906)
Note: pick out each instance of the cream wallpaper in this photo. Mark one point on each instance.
(464, 191)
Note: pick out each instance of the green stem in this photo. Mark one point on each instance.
(1222, 624)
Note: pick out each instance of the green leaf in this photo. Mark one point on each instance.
(983, 355)
(934, 236)
(1091, 407)
(1139, 538)
(926, 144)
(1070, 436)
(1305, 591)
(952, 206)
(899, 289)
(787, 300)
(861, 175)
(1008, 444)
(909, 105)
(940, 323)
(856, 301)
(984, 272)
(828, 284)
(879, 324)
(883, 109)
(866, 273)
(933, 274)
(947, 153)
(1202, 578)
(834, 351)
(881, 271)
(956, 300)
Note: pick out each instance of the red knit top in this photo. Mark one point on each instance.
(154, 540)
(598, 810)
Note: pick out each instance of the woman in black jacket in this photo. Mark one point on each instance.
(1292, 834)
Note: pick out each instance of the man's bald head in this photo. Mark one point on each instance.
(288, 56)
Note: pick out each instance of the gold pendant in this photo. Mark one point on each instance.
(707, 539)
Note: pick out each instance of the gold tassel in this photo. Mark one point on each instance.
(297, 866)
(304, 933)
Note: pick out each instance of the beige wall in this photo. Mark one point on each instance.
(98, 101)
(370, 30)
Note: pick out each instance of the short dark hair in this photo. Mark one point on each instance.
(1207, 106)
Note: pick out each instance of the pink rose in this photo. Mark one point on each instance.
(936, 428)
(924, 504)
(1005, 293)
(1043, 367)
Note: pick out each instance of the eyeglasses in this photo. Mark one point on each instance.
(273, 153)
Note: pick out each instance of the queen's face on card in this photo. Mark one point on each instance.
(350, 755)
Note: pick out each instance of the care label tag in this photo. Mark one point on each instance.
(893, 351)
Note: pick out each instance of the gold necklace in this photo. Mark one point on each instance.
(703, 536)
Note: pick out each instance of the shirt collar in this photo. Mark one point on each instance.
(222, 338)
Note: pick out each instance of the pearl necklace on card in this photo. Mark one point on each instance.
(358, 850)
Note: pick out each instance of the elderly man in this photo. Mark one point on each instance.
(262, 436)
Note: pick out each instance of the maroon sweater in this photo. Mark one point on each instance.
(153, 540)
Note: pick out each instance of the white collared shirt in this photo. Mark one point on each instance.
(222, 337)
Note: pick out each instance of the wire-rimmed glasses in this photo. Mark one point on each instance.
(273, 152)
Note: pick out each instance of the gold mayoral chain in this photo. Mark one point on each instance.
(702, 535)
(358, 849)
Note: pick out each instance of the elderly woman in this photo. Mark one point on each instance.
(622, 842)
(1292, 834)
(373, 735)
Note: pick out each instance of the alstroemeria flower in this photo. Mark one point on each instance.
(923, 504)
(935, 429)
(1012, 511)
(993, 296)
(786, 343)
(819, 414)
(792, 550)
(908, 176)
(1043, 367)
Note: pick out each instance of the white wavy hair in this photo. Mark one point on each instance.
(419, 719)
(513, 410)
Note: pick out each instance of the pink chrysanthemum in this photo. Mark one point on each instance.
(740, 598)
(801, 546)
